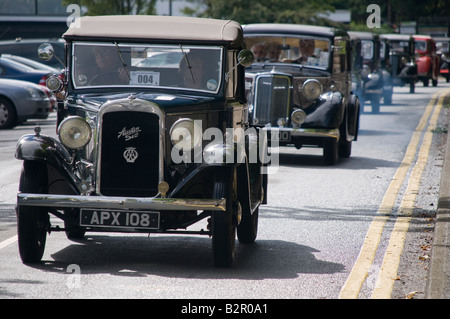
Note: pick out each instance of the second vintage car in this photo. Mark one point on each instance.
(299, 87)
(373, 86)
(147, 146)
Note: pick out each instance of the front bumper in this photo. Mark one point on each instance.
(287, 134)
(107, 202)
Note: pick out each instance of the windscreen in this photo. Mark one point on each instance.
(306, 50)
(147, 66)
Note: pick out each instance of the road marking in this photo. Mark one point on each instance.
(360, 270)
(8, 242)
(391, 261)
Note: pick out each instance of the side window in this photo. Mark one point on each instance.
(2, 71)
(232, 74)
(340, 55)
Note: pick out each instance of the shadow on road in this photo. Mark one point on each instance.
(186, 257)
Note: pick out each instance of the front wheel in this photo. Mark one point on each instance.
(248, 228)
(223, 223)
(330, 151)
(32, 222)
(8, 118)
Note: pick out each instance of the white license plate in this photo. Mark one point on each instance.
(121, 219)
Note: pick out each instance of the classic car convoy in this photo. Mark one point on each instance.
(164, 122)
(153, 136)
(301, 91)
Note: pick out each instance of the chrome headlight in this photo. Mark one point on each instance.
(312, 89)
(74, 132)
(186, 134)
(298, 117)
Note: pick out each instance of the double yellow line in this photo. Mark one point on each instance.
(388, 272)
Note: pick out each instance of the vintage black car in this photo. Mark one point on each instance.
(153, 136)
(443, 50)
(299, 87)
(398, 59)
(373, 86)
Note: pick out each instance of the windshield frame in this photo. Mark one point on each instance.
(213, 85)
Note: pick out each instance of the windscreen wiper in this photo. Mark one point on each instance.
(187, 62)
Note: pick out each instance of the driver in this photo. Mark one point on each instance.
(109, 68)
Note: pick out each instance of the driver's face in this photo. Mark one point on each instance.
(105, 58)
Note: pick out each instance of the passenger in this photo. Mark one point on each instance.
(259, 52)
(273, 51)
(193, 70)
(307, 47)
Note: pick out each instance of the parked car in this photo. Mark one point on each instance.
(150, 150)
(426, 59)
(373, 87)
(398, 59)
(31, 63)
(300, 90)
(10, 69)
(22, 100)
(27, 48)
(443, 50)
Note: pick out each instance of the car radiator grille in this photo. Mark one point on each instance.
(129, 158)
(272, 99)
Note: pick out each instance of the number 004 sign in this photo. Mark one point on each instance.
(144, 78)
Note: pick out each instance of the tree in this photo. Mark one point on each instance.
(264, 11)
(111, 7)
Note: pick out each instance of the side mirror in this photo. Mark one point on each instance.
(245, 58)
(46, 51)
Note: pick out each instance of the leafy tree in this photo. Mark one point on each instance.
(111, 7)
(264, 11)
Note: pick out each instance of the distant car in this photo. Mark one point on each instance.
(22, 100)
(31, 63)
(427, 60)
(372, 88)
(10, 69)
(398, 59)
(443, 50)
(28, 47)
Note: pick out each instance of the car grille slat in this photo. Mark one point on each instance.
(129, 163)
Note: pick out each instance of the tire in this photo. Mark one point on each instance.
(330, 151)
(375, 103)
(387, 97)
(248, 228)
(8, 117)
(412, 86)
(223, 223)
(434, 82)
(32, 222)
(73, 231)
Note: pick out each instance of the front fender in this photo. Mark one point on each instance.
(327, 111)
(47, 150)
(423, 65)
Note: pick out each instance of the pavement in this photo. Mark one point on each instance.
(438, 284)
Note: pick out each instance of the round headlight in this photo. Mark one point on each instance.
(54, 83)
(74, 132)
(312, 89)
(298, 116)
(186, 134)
